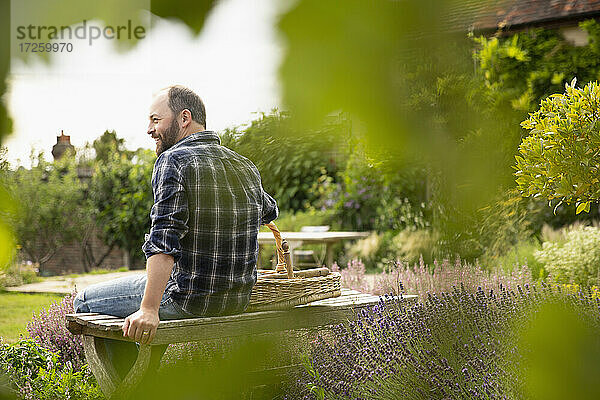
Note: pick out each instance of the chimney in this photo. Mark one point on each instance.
(63, 142)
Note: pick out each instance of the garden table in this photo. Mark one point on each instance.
(96, 327)
(328, 238)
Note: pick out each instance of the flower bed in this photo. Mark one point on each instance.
(458, 345)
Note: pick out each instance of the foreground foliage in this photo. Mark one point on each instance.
(35, 372)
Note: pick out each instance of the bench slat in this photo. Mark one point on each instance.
(300, 318)
(73, 317)
(345, 300)
(99, 317)
(106, 324)
(214, 327)
(188, 331)
(346, 291)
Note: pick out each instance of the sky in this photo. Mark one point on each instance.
(232, 65)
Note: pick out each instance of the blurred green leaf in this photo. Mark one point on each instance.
(64, 13)
(191, 12)
(404, 74)
(219, 377)
(8, 208)
(563, 355)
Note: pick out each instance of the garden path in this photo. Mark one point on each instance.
(66, 284)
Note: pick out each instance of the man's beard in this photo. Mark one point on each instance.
(168, 138)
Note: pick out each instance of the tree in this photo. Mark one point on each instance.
(61, 13)
(108, 144)
(121, 197)
(290, 161)
(374, 61)
(560, 159)
(51, 208)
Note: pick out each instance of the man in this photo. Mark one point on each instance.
(202, 247)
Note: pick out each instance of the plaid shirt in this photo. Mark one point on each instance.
(208, 206)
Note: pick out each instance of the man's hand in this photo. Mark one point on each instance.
(137, 324)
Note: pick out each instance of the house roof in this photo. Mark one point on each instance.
(490, 15)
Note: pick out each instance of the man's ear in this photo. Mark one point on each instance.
(186, 118)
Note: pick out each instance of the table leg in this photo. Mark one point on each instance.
(292, 245)
(329, 255)
(258, 261)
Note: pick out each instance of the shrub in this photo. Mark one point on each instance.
(25, 357)
(289, 221)
(559, 159)
(576, 260)
(36, 373)
(380, 249)
(374, 250)
(412, 245)
(290, 161)
(16, 274)
(66, 383)
(523, 253)
(48, 329)
(455, 345)
(120, 198)
(379, 195)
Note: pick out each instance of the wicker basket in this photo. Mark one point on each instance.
(283, 288)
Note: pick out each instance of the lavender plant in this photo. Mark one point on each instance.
(48, 329)
(353, 276)
(454, 345)
(421, 279)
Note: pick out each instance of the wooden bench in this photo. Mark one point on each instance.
(96, 327)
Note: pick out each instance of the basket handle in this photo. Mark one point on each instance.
(284, 260)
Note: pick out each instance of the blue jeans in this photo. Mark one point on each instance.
(121, 298)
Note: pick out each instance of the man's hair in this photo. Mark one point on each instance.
(181, 98)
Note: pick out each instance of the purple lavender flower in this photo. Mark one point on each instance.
(457, 344)
(49, 330)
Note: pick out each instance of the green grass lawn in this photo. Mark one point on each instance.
(16, 310)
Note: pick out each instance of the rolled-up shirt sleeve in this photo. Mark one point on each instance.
(169, 214)
(270, 212)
